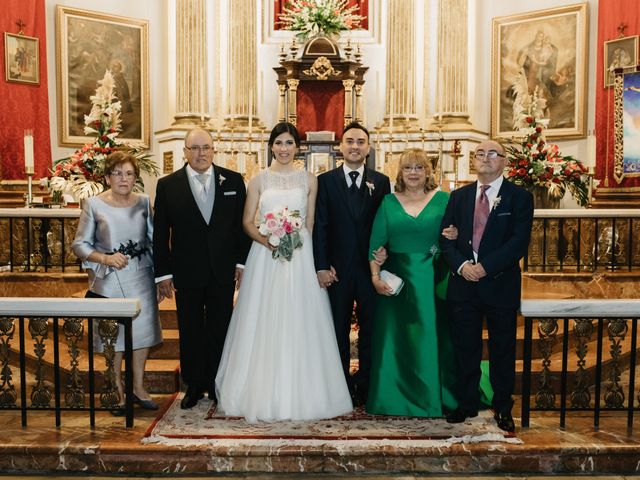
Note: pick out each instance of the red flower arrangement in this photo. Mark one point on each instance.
(537, 164)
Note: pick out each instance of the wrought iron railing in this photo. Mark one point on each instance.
(588, 380)
(584, 240)
(38, 239)
(60, 331)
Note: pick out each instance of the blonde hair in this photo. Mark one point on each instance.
(415, 156)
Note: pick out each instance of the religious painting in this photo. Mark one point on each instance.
(539, 68)
(619, 53)
(21, 59)
(626, 125)
(87, 44)
(369, 30)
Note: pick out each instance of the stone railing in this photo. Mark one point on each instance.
(584, 240)
(52, 338)
(38, 239)
(576, 370)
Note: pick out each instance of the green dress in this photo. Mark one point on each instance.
(412, 364)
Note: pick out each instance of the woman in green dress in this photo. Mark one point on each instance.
(412, 369)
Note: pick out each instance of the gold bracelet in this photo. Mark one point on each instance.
(375, 274)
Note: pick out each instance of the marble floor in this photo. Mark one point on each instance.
(113, 450)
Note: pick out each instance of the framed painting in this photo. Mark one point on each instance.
(540, 57)
(619, 53)
(21, 59)
(87, 44)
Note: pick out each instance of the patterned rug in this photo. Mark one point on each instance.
(204, 425)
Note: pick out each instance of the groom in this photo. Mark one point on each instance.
(199, 249)
(348, 199)
(494, 219)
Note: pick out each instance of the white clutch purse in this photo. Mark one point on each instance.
(394, 281)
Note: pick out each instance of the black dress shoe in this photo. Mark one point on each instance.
(505, 422)
(459, 415)
(190, 399)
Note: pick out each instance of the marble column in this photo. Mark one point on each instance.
(452, 98)
(242, 75)
(191, 62)
(400, 89)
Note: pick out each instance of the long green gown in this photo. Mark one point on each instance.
(412, 364)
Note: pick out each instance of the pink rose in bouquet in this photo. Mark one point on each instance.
(282, 228)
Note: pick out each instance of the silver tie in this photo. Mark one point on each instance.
(203, 178)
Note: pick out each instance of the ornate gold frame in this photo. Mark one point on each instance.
(8, 39)
(558, 20)
(608, 47)
(105, 28)
(618, 127)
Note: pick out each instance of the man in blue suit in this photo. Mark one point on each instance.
(347, 202)
(494, 219)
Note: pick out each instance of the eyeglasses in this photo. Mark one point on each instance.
(127, 175)
(413, 168)
(491, 155)
(198, 148)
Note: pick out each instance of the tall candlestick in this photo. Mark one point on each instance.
(28, 152)
(202, 83)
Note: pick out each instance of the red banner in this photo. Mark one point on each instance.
(611, 14)
(320, 107)
(24, 106)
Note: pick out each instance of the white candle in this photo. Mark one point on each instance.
(219, 102)
(440, 94)
(250, 111)
(591, 150)
(391, 101)
(28, 151)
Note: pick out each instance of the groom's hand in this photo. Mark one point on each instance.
(327, 277)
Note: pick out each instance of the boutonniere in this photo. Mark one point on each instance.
(221, 179)
(496, 202)
(371, 187)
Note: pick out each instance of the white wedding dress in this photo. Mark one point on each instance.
(280, 359)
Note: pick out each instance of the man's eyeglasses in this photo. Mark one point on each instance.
(413, 168)
(198, 148)
(127, 175)
(491, 155)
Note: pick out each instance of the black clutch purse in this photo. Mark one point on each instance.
(91, 294)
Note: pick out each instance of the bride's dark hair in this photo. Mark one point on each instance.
(284, 127)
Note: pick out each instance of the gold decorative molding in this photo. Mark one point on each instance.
(322, 69)
(618, 128)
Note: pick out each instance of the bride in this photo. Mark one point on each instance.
(280, 359)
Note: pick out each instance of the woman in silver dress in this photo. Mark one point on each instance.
(114, 243)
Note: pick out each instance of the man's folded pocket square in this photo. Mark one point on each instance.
(229, 193)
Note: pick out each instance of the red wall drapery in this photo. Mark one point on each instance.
(611, 14)
(24, 106)
(320, 107)
(363, 9)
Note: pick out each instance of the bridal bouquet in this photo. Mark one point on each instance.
(282, 227)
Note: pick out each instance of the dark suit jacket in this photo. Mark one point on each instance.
(504, 243)
(184, 245)
(341, 236)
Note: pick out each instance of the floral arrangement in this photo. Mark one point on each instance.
(312, 17)
(282, 228)
(535, 163)
(82, 173)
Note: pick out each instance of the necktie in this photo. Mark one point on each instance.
(354, 186)
(480, 216)
(203, 178)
